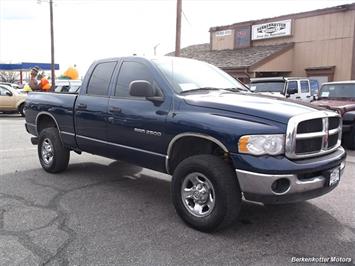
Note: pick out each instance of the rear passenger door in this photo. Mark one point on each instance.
(91, 109)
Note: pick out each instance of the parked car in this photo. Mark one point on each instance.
(340, 97)
(192, 120)
(67, 85)
(13, 85)
(293, 88)
(11, 100)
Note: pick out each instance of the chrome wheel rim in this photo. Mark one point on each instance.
(198, 195)
(47, 151)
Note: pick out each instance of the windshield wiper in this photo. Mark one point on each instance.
(201, 89)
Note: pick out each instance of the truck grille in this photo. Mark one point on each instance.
(313, 134)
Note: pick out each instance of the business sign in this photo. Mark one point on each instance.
(271, 30)
(223, 33)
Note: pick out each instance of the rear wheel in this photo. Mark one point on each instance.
(21, 109)
(206, 193)
(53, 156)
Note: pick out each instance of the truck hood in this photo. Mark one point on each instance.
(270, 108)
(338, 105)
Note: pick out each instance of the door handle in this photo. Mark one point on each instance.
(82, 106)
(308, 96)
(298, 97)
(115, 110)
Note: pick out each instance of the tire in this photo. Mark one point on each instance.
(218, 181)
(349, 139)
(53, 156)
(20, 109)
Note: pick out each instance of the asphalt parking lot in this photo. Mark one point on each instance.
(104, 212)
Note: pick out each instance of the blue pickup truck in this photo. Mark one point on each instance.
(193, 121)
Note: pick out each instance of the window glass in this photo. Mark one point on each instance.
(129, 72)
(271, 86)
(100, 78)
(314, 86)
(344, 91)
(3, 91)
(304, 86)
(292, 86)
(187, 74)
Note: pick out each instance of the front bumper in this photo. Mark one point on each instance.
(301, 184)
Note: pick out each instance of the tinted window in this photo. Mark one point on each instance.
(100, 78)
(129, 72)
(304, 86)
(292, 86)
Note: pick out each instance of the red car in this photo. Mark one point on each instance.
(340, 97)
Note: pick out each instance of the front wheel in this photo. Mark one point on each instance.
(53, 156)
(206, 193)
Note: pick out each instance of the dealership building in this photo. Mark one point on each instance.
(318, 44)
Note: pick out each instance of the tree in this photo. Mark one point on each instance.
(9, 76)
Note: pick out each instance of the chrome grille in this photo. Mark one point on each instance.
(313, 134)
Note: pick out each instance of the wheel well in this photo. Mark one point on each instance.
(189, 146)
(45, 121)
(19, 105)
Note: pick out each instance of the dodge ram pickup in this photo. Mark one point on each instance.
(193, 121)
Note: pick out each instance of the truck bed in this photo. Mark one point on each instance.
(58, 105)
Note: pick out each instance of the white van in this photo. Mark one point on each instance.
(289, 87)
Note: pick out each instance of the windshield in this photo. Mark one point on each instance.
(267, 86)
(188, 75)
(337, 91)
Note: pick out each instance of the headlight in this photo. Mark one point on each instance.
(262, 144)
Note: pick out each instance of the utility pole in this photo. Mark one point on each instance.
(52, 45)
(178, 27)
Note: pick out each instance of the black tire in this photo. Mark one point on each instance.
(227, 195)
(20, 109)
(349, 139)
(57, 159)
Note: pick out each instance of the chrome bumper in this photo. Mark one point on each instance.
(258, 186)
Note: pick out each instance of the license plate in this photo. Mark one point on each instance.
(334, 176)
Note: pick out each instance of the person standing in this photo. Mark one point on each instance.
(33, 83)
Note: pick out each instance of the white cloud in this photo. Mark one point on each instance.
(89, 30)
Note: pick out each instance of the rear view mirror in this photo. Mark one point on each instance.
(141, 88)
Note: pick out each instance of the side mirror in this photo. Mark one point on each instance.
(291, 91)
(141, 88)
(8, 93)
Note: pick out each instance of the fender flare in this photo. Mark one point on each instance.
(190, 134)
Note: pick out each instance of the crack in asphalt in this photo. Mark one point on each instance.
(61, 219)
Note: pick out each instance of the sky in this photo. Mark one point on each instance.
(87, 30)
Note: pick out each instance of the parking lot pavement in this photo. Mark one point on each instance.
(104, 212)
